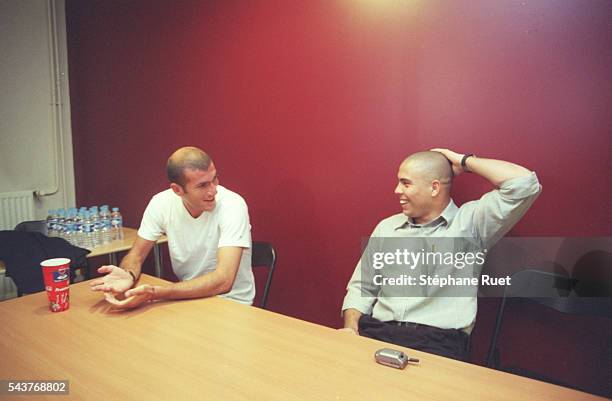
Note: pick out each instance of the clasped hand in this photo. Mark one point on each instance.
(133, 298)
(454, 158)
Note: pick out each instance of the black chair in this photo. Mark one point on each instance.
(38, 226)
(264, 255)
(554, 291)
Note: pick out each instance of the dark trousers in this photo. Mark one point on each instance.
(451, 343)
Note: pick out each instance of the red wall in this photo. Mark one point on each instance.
(308, 107)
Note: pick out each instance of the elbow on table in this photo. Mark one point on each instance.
(225, 285)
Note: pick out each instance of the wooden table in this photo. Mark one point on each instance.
(216, 349)
(112, 248)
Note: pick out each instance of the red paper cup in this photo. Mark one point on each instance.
(56, 273)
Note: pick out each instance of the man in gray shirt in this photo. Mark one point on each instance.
(437, 324)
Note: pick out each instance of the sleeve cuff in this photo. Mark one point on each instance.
(147, 236)
(364, 308)
(240, 244)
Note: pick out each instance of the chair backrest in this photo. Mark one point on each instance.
(561, 293)
(39, 226)
(593, 274)
(264, 255)
(551, 290)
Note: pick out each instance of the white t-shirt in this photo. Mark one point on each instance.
(193, 243)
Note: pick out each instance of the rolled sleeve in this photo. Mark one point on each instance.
(496, 212)
(521, 187)
(361, 294)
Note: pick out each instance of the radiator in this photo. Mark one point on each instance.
(15, 207)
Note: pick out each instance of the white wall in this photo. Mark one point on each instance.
(35, 134)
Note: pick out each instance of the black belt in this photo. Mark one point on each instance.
(407, 324)
(423, 326)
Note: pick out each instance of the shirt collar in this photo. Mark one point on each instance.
(448, 214)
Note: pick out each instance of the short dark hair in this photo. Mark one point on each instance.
(186, 158)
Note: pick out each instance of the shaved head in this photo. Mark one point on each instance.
(430, 166)
(424, 185)
(186, 158)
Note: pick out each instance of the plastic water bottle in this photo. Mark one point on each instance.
(105, 224)
(51, 222)
(95, 225)
(86, 231)
(69, 227)
(59, 226)
(82, 211)
(76, 234)
(117, 224)
(78, 229)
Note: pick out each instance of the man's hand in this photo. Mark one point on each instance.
(351, 321)
(453, 157)
(134, 297)
(117, 280)
(494, 171)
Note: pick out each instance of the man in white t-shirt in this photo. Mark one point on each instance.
(209, 238)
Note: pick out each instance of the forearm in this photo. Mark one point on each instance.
(132, 263)
(351, 319)
(208, 285)
(495, 171)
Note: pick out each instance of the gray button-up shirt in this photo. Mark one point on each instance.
(485, 221)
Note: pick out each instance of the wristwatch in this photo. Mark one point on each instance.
(464, 160)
